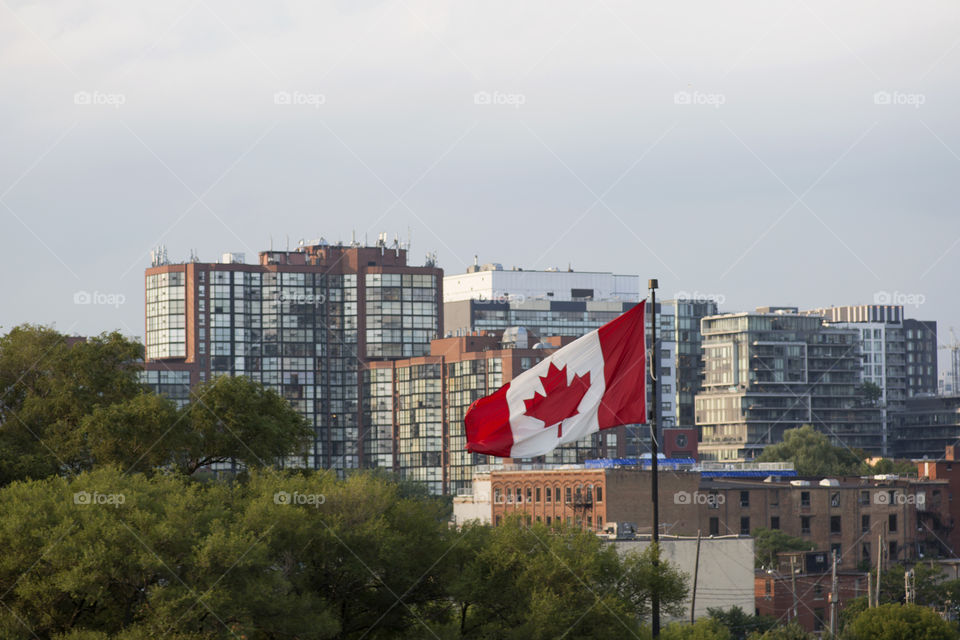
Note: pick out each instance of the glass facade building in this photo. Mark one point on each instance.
(768, 372)
(305, 323)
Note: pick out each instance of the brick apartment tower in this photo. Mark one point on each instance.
(306, 323)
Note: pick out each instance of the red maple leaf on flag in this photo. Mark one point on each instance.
(561, 399)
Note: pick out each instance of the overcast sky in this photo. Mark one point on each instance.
(784, 152)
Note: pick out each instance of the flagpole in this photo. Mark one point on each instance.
(654, 479)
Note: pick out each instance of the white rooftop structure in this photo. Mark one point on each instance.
(493, 282)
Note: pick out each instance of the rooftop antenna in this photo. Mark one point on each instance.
(409, 237)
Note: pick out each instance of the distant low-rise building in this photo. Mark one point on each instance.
(901, 519)
(800, 590)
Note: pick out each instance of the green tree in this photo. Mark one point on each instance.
(702, 629)
(929, 581)
(899, 622)
(769, 542)
(234, 419)
(885, 466)
(136, 434)
(812, 454)
(740, 623)
(47, 387)
(871, 391)
(791, 631)
(520, 581)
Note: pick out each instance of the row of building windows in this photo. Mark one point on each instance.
(519, 495)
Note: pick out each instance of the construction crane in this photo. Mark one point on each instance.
(954, 348)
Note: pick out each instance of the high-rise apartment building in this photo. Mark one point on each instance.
(305, 322)
(899, 356)
(772, 370)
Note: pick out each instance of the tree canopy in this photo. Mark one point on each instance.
(767, 543)
(812, 454)
(66, 408)
(899, 622)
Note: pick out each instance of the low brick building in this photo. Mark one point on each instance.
(806, 596)
(845, 514)
(591, 497)
(848, 515)
(947, 469)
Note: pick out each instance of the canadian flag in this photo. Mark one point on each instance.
(596, 382)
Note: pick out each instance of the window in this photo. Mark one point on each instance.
(509, 496)
(548, 520)
(775, 522)
(835, 499)
(892, 522)
(497, 495)
(538, 494)
(569, 495)
(497, 521)
(548, 495)
(745, 526)
(714, 526)
(864, 498)
(865, 524)
(892, 497)
(804, 498)
(744, 498)
(775, 498)
(834, 524)
(804, 524)
(865, 552)
(599, 494)
(529, 495)
(519, 495)
(893, 550)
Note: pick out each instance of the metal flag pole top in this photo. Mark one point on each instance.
(654, 480)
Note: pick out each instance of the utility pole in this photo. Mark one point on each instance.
(793, 584)
(696, 570)
(876, 599)
(869, 590)
(834, 622)
(653, 284)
